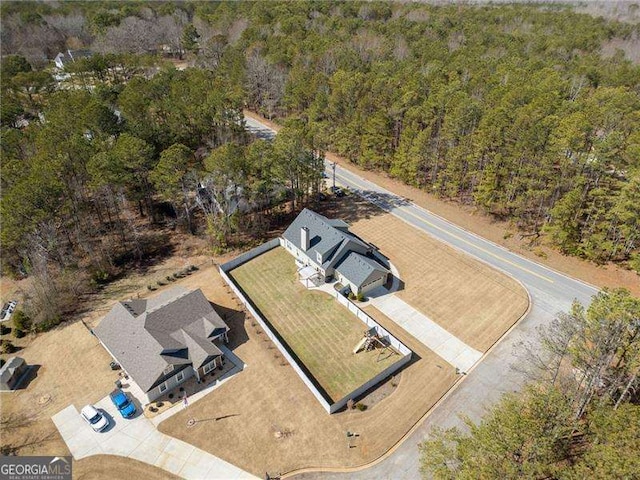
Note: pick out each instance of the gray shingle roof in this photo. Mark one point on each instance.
(175, 327)
(8, 369)
(332, 239)
(360, 269)
(325, 237)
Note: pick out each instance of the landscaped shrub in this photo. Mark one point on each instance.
(19, 333)
(100, 278)
(360, 297)
(151, 288)
(6, 346)
(4, 329)
(170, 278)
(48, 324)
(21, 320)
(351, 296)
(361, 406)
(161, 283)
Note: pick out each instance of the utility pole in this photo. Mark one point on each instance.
(333, 167)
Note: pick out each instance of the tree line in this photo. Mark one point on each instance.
(512, 109)
(578, 418)
(94, 173)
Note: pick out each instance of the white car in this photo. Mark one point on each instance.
(7, 310)
(94, 418)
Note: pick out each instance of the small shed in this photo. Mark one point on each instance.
(11, 373)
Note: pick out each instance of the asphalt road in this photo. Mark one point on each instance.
(550, 291)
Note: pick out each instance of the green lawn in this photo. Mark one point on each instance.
(320, 331)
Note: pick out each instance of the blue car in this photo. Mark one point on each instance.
(126, 408)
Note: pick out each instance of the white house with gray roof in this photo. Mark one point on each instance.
(330, 250)
(162, 341)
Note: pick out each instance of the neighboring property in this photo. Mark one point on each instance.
(162, 341)
(11, 373)
(69, 56)
(325, 249)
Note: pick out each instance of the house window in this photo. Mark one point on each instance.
(163, 387)
(319, 258)
(209, 366)
(180, 376)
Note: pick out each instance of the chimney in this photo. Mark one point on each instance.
(304, 238)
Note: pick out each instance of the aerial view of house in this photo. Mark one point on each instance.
(325, 249)
(162, 341)
(320, 239)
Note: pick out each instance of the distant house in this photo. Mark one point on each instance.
(63, 59)
(326, 249)
(162, 341)
(11, 373)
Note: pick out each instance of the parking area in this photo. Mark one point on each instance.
(138, 438)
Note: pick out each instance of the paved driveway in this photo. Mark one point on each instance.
(449, 347)
(139, 439)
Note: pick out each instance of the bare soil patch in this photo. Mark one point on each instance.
(502, 233)
(270, 421)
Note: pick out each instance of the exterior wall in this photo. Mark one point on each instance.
(172, 382)
(378, 283)
(303, 257)
(370, 322)
(355, 289)
(15, 378)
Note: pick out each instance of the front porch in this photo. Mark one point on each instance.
(193, 387)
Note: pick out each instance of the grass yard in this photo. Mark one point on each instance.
(471, 300)
(71, 367)
(99, 467)
(268, 397)
(321, 332)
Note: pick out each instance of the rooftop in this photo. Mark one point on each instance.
(175, 328)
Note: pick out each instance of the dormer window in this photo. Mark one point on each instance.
(168, 370)
(319, 258)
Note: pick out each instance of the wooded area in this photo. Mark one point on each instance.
(515, 109)
(580, 418)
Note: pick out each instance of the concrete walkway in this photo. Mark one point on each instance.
(138, 438)
(450, 348)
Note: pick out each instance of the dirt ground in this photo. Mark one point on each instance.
(270, 421)
(502, 233)
(467, 298)
(100, 467)
(69, 367)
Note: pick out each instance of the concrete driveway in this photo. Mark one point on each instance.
(138, 438)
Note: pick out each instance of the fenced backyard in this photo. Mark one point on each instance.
(314, 332)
